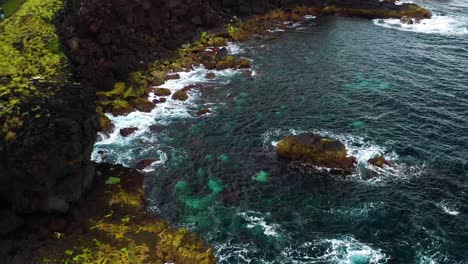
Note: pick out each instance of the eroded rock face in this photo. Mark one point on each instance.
(49, 167)
(315, 150)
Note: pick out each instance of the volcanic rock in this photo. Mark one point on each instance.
(316, 150)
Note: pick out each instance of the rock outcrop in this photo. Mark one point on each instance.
(315, 150)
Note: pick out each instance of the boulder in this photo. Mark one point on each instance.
(243, 63)
(162, 92)
(143, 105)
(162, 100)
(125, 132)
(315, 150)
(180, 95)
(143, 164)
(203, 111)
(210, 76)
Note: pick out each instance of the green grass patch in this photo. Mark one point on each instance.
(11, 6)
(29, 47)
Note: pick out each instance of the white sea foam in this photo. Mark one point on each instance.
(447, 208)
(438, 24)
(347, 249)
(123, 150)
(255, 219)
(339, 250)
(360, 211)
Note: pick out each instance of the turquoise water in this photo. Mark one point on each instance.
(380, 87)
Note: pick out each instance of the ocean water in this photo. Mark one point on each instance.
(380, 87)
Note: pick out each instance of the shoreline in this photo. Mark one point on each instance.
(136, 88)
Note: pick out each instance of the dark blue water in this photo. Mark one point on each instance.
(378, 86)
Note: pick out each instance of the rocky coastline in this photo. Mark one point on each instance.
(117, 51)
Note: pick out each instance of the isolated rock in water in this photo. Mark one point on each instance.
(145, 163)
(316, 150)
(203, 111)
(162, 92)
(125, 132)
(210, 76)
(180, 95)
(380, 162)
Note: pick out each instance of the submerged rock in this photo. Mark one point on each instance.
(380, 162)
(203, 111)
(145, 163)
(125, 132)
(157, 128)
(316, 150)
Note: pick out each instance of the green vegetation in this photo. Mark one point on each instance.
(11, 6)
(120, 231)
(29, 47)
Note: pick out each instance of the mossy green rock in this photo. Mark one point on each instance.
(180, 95)
(143, 105)
(162, 92)
(316, 150)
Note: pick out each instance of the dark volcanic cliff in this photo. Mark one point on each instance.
(108, 39)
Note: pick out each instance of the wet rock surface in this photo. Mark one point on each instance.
(315, 150)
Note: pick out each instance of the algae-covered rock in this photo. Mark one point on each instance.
(106, 124)
(180, 95)
(380, 162)
(316, 150)
(143, 105)
(162, 92)
(243, 63)
(121, 107)
(114, 227)
(228, 62)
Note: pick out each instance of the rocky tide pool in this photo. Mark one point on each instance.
(379, 86)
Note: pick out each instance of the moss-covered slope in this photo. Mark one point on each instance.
(29, 49)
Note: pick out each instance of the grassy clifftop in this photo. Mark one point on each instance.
(29, 48)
